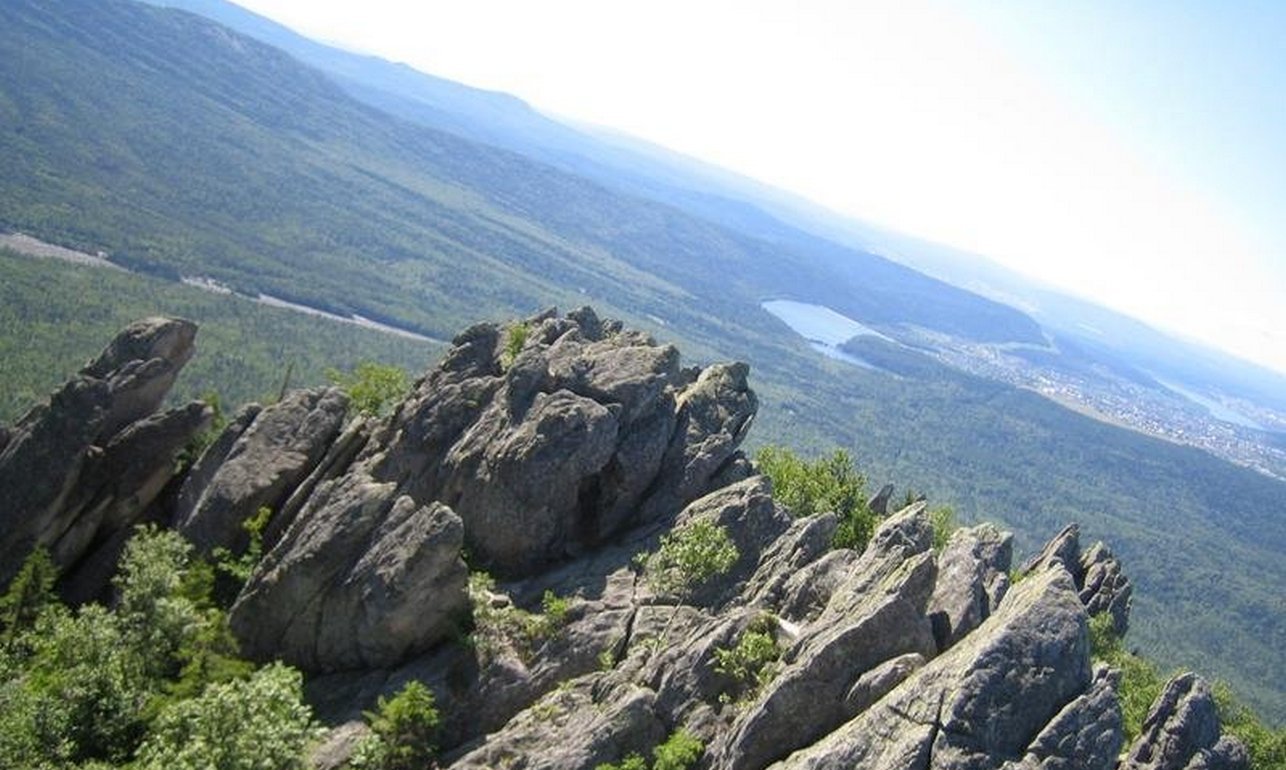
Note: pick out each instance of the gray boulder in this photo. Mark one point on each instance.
(1085, 735)
(77, 455)
(1100, 581)
(595, 720)
(983, 701)
(1104, 586)
(822, 684)
(256, 462)
(973, 576)
(1181, 732)
(363, 584)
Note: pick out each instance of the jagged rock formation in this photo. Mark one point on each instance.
(554, 453)
(262, 455)
(1181, 732)
(82, 468)
(539, 452)
(1100, 581)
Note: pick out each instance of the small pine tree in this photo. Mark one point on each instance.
(30, 592)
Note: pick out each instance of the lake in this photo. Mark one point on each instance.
(824, 328)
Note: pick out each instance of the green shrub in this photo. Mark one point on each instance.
(373, 389)
(631, 762)
(239, 568)
(1141, 683)
(679, 752)
(30, 592)
(1267, 746)
(515, 338)
(750, 662)
(260, 722)
(79, 695)
(944, 524)
(404, 732)
(506, 626)
(830, 483)
(688, 557)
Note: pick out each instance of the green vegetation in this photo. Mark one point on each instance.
(689, 556)
(1142, 683)
(29, 594)
(373, 389)
(943, 519)
(1267, 746)
(242, 724)
(54, 317)
(829, 484)
(680, 751)
(499, 625)
(156, 679)
(751, 661)
(239, 568)
(515, 338)
(404, 732)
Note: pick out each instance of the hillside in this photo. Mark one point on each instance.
(180, 148)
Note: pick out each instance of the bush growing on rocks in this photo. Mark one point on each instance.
(404, 732)
(238, 725)
(498, 624)
(828, 484)
(751, 661)
(372, 388)
(689, 556)
(679, 752)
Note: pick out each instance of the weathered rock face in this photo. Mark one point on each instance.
(1182, 732)
(1100, 581)
(542, 452)
(361, 584)
(843, 661)
(88, 463)
(983, 701)
(258, 460)
(1104, 586)
(975, 577)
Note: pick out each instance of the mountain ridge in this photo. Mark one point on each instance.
(658, 551)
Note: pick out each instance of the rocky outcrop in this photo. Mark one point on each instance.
(261, 456)
(975, 576)
(560, 453)
(1100, 581)
(1104, 588)
(877, 617)
(983, 701)
(1181, 732)
(545, 439)
(362, 584)
(89, 462)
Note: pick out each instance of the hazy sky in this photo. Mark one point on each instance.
(1134, 153)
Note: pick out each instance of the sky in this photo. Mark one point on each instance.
(1131, 153)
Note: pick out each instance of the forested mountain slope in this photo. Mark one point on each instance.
(181, 148)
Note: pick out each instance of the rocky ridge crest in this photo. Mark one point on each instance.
(552, 453)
